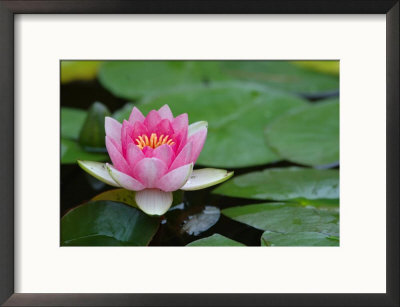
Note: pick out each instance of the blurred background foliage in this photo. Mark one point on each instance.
(276, 123)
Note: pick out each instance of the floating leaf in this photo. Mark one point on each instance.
(118, 195)
(282, 75)
(309, 136)
(71, 152)
(298, 239)
(200, 222)
(102, 223)
(78, 70)
(284, 184)
(135, 79)
(236, 118)
(92, 135)
(215, 240)
(71, 122)
(286, 218)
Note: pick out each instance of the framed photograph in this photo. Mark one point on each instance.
(199, 153)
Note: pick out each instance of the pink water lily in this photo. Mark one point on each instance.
(154, 156)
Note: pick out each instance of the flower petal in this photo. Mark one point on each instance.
(149, 170)
(99, 171)
(180, 122)
(197, 140)
(175, 179)
(151, 121)
(180, 139)
(164, 127)
(183, 158)
(126, 132)
(134, 154)
(136, 116)
(153, 201)
(116, 156)
(113, 129)
(164, 153)
(195, 127)
(165, 113)
(206, 177)
(124, 180)
(148, 152)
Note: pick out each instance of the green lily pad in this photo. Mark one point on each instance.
(78, 70)
(309, 136)
(71, 122)
(282, 75)
(298, 239)
(286, 218)
(236, 118)
(136, 79)
(71, 152)
(104, 223)
(118, 195)
(215, 240)
(293, 183)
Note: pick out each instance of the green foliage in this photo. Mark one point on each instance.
(71, 122)
(138, 79)
(291, 183)
(83, 134)
(288, 223)
(71, 152)
(92, 134)
(309, 136)
(298, 239)
(106, 223)
(215, 240)
(282, 75)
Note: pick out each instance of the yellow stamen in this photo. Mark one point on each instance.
(154, 141)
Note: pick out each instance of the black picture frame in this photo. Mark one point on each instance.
(7, 11)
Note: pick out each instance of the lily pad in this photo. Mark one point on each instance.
(236, 118)
(71, 152)
(200, 222)
(71, 122)
(215, 240)
(286, 218)
(309, 136)
(118, 195)
(293, 183)
(135, 79)
(298, 239)
(102, 223)
(282, 75)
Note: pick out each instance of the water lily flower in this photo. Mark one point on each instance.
(154, 156)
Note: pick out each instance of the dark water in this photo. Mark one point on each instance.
(78, 187)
